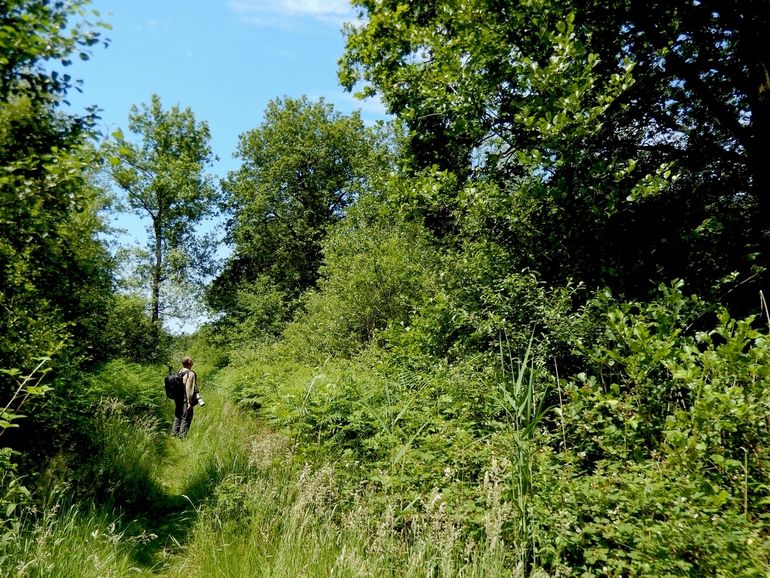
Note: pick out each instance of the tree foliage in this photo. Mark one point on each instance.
(55, 270)
(377, 272)
(615, 131)
(164, 180)
(37, 35)
(301, 168)
(54, 273)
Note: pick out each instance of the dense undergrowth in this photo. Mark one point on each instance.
(650, 461)
(233, 499)
(450, 435)
(512, 333)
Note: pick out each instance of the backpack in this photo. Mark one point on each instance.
(174, 384)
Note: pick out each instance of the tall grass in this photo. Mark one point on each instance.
(517, 396)
(266, 517)
(72, 541)
(94, 513)
(125, 469)
(274, 525)
(232, 499)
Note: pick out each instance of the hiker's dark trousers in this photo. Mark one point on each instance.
(182, 418)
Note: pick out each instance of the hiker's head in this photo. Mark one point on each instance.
(187, 361)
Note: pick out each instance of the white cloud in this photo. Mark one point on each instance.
(285, 13)
(149, 25)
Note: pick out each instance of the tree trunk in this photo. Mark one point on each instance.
(156, 273)
(760, 167)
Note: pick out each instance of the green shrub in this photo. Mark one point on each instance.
(259, 313)
(661, 463)
(14, 497)
(129, 332)
(481, 302)
(375, 275)
(655, 518)
(650, 461)
(662, 386)
(139, 387)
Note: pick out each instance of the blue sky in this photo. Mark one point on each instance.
(225, 59)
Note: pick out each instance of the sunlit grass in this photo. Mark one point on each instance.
(274, 525)
(264, 516)
(233, 500)
(73, 542)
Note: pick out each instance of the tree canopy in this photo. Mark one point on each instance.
(164, 179)
(608, 129)
(54, 273)
(300, 169)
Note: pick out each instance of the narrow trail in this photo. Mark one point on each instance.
(190, 470)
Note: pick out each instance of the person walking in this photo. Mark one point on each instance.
(183, 404)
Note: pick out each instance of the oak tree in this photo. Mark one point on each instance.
(624, 140)
(300, 169)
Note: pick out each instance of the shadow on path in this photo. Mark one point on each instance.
(159, 523)
(192, 469)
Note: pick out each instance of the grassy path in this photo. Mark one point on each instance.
(231, 501)
(217, 445)
(166, 490)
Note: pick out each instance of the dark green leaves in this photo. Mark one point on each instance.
(301, 169)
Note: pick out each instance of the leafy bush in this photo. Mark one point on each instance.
(482, 303)
(209, 347)
(130, 333)
(259, 313)
(138, 386)
(661, 465)
(14, 497)
(642, 519)
(660, 385)
(376, 275)
(651, 461)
